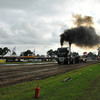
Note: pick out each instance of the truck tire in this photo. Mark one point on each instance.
(68, 61)
(76, 60)
(59, 62)
(65, 62)
(84, 61)
(73, 61)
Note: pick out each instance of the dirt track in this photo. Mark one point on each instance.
(13, 74)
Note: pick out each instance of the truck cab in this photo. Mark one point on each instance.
(64, 56)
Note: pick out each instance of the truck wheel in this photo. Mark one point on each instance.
(84, 61)
(77, 60)
(59, 62)
(65, 62)
(68, 61)
(73, 61)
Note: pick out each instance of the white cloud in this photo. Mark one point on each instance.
(3, 33)
(29, 24)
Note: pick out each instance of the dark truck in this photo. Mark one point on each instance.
(66, 57)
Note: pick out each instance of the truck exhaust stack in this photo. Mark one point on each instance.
(69, 47)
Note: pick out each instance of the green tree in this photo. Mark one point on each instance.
(4, 51)
(75, 54)
(50, 53)
(90, 54)
(14, 53)
(38, 55)
(26, 53)
(0, 51)
(95, 55)
(55, 52)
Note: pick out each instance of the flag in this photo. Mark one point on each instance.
(34, 52)
(14, 49)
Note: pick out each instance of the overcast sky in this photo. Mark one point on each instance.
(37, 24)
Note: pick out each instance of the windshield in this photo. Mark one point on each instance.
(62, 51)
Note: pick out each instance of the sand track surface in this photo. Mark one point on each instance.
(14, 74)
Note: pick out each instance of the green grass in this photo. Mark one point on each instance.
(85, 85)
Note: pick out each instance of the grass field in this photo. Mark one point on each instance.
(84, 85)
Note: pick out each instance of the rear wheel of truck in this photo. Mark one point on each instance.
(76, 60)
(84, 61)
(68, 61)
(59, 62)
(73, 61)
(65, 62)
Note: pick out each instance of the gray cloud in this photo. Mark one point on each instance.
(3, 33)
(29, 24)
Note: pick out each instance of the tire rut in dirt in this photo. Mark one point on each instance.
(32, 72)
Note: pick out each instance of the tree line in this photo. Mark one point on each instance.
(50, 53)
(4, 51)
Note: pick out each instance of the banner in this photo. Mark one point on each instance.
(34, 52)
(14, 49)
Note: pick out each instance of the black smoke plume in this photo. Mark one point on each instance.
(82, 36)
